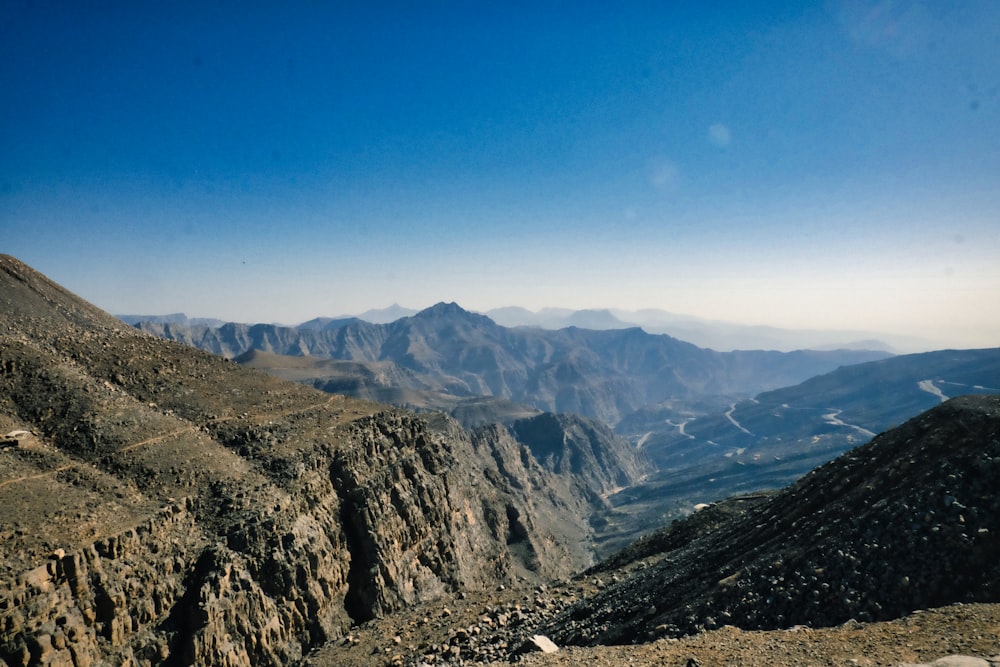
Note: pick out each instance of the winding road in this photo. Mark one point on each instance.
(729, 416)
(933, 389)
(834, 419)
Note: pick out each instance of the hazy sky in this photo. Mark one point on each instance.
(826, 165)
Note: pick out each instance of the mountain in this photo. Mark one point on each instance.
(159, 504)
(581, 448)
(327, 323)
(604, 375)
(886, 556)
(908, 521)
(831, 412)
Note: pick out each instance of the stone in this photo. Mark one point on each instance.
(960, 661)
(952, 661)
(543, 644)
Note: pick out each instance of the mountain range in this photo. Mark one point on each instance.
(603, 374)
(771, 440)
(713, 334)
(712, 424)
(905, 522)
(707, 421)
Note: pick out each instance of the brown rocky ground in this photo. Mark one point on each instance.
(964, 630)
(464, 630)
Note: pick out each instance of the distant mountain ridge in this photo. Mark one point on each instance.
(172, 318)
(603, 374)
(713, 334)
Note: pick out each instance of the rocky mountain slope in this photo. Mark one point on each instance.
(159, 504)
(604, 375)
(386, 382)
(569, 445)
(843, 408)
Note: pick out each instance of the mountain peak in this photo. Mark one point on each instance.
(449, 310)
(443, 307)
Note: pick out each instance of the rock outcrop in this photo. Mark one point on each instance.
(583, 448)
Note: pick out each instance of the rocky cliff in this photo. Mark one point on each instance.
(585, 449)
(165, 506)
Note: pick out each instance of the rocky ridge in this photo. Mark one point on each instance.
(170, 507)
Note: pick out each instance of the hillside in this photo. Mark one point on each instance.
(447, 351)
(843, 408)
(386, 382)
(158, 503)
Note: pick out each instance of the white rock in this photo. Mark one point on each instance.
(960, 661)
(952, 661)
(546, 645)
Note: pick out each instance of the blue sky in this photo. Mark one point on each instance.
(815, 165)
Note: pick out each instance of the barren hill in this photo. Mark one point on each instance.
(158, 503)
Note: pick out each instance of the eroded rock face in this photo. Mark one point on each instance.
(426, 511)
(584, 448)
(176, 508)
